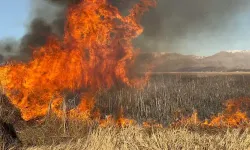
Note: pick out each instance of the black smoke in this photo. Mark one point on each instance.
(47, 21)
(48, 17)
(166, 26)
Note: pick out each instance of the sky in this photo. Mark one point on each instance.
(14, 15)
(233, 35)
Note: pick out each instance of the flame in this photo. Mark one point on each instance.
(96, 52)
(232, 116)
(121, 121)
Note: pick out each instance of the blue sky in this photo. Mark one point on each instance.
(14, 15)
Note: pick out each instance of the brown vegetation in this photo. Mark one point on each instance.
(139, 138)
(168, 96)
(165, 99)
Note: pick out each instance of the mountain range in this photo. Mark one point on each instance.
(223, 61)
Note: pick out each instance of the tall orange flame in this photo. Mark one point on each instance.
(96, 52)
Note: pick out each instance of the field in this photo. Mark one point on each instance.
(165, 99)
(167, 93)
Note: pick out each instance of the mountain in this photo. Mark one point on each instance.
(233, 60)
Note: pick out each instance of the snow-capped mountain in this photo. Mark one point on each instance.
(198, 57)
(238, 51)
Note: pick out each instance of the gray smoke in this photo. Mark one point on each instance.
(167, 26)
(174, 22)
(8, 48)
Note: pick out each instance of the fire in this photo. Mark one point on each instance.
(232, 116)
(96, 52)
(121, 121)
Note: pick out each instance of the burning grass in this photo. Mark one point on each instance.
(168, 98)
(80, 134)
(82, 88)
(96, 52)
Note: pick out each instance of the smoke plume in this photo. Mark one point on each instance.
(166, 27)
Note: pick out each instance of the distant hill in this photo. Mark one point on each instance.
(236, 60)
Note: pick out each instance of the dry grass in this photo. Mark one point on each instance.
(165, 95)
(139, 138)
(159, 100)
